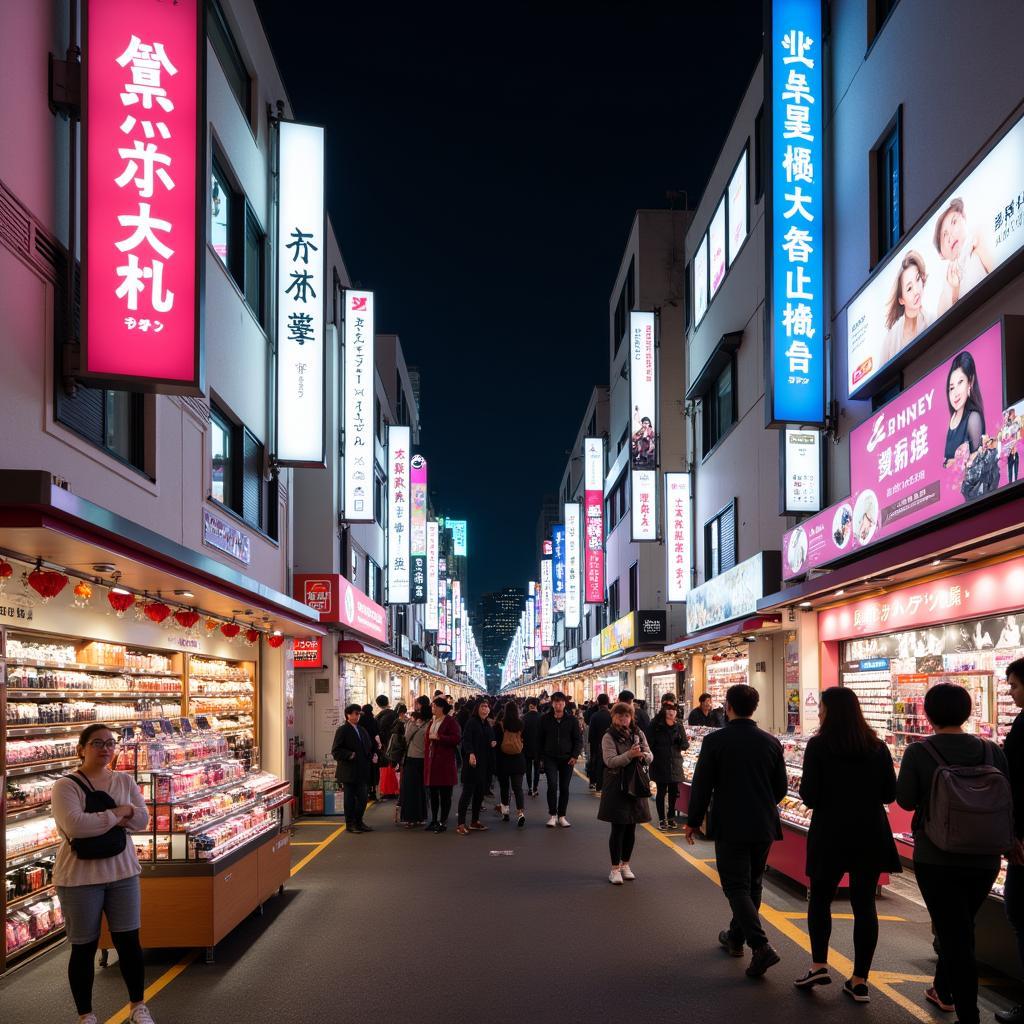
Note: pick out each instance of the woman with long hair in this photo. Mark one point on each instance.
(477, 746)
(508, 734)
(413, 795)
(439, 772)
(668, 740)
(905, 317)
(966, 408)
(848, 778)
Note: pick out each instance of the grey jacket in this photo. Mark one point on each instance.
(618, 807)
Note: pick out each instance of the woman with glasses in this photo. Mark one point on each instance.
(97, 870)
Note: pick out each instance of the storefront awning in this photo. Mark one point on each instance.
(724, 632)
(624, 658)
(41, 520)
(349, 648)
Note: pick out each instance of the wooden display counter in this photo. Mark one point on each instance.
(195, 904)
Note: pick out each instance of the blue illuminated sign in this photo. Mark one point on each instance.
(797, 330)
(558, 550)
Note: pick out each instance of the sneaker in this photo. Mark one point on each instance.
(733, 948)
(552, 821)
(462, 830)
(521, 822)
(477, 826)
(933, 997)
(564, 822)
(627, 873)
(663, 825)
(814, 978)
(673, 824)
(432, 827)
(763, 958)
(1014, 1015)
(615, 876)
(141, 1015)
(858, 993)
(89, 1018)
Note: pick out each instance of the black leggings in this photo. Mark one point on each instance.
(620, 843)
(440, 804)
(515, 783)
(532, 774)
(82, 969)
(474, 786)
(865, 917)
(671, 790)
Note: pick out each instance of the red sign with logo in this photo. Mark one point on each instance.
(339, 601)
(308, 653)
(143, 126)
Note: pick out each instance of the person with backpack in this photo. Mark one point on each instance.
(508, 734)
(847, 780)
(667, 739)
(1013, 892)
(477, 744)
(957, 786)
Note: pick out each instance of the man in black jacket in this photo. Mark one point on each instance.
(356, 755)
(385, 720)
(702, 714)
(741, 777)
(643, 720)
(531, 745)
(1013, 747)
(560, 741)
(600, 723)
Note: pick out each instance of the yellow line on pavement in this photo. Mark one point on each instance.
(294, 843)
(801, 915)
(162, 982)
(320, 847)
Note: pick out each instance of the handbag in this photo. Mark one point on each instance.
(113, 841)
(635, 779)
(396, 747)
(982, 475)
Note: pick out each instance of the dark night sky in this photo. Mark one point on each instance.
(483, 173)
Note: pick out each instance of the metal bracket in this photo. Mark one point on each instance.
(65, 87)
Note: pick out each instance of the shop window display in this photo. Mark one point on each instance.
(726, 671)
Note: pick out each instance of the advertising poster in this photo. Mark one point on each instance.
(737, 208)
(716, 248)
(418, 529)
(593, 519)
(729, 595)
(643, 441)
(573, 566)
(700, 281)
(678, 536)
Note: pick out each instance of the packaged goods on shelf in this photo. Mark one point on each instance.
(169, 786)
(216, 688)
(27, 791)
(146, 661)
(45, 748)
(144, 755)
(30, 835)
(210, 668)
(52, 653)
(27, 879)
(220, 705)
(221, 839)
(26, 925)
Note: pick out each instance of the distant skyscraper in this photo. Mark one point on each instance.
(498, 616)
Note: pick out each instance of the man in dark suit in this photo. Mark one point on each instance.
(741, 777)
(353, 749)
(600, 723)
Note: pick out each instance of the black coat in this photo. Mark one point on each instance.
(531, 735)
(600, 723)
(667, 745)
(741, 777)
(850, 830)
(508, 764)
(476, 739)
(1013, 747)
(560, 738)
(712, 720)
(353, 749)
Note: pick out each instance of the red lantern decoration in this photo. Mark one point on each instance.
(275, 641)
(156, 611)
(252, 636)
(83, 594)
(120, 601)
(6, 572)
(231, 629)
(678, 666)
(46, 583)
(186, 619)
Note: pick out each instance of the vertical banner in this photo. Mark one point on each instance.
(358, 402)
(547, 624)
(457, 622)
(796, 213)
(433, 534)
(532, 646)
(573, 566)
(398, 515)
(301, 291)
(678, 536)
(538, 626)
(418, 532)
(144, 194)
(459, 539)
(558, 566)
(643, 438)
(593, 513)
(801, 468)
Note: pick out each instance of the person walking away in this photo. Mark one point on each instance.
(531, 746)
(386, 720)
(96, 872)
(600, 723)
(439, 772)
(703, 716)
(412, 798)
(477, 744)
(560, 744)
(667, 739)
(508, 735)
(394, 755)
(625, 798)
(640, 716)
(356, 755)
(956, 852)
(1013, 893)
(742, 770)
(847, 780)
(369, 725)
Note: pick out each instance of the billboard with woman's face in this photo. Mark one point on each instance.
(978, 225)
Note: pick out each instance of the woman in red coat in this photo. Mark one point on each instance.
(439, 771)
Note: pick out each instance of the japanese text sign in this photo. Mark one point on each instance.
(593, 519)
(558, 565)
(418, 529)
(459, 532)
(573, 566)
(547, 620)
(643, 444)
(433, 540)
(143, 126)
(801, 466)
(359, 407)
(678, 536)
(399, 518)
(338, 600)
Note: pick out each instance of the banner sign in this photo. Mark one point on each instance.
(643, 443)
(652, 627)
(300, 295)
(358, 391)
(733, 593)
(338, 600)
(737, 193)
(418, 530)
(678, 536)
(620, 635)
(433, 534)
(144, 192)
(801, 466)
(558, 566)
(593, 506)
(573, 566)
(796, 215)
(976, 227)
(942, 443)
(398, 514)
(459, 531)
(547, 623)
(308, 653)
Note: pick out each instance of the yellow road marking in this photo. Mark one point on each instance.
(294, 843)
(798, 915)
(328, 823)
(317, 850)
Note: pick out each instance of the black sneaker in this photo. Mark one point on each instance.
(727, 944)
(763, 958)
(813, 978)
(858, 993)
(1014, 1015)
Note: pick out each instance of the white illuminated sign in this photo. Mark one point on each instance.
(433, 534)
(700, 281)
(547, 624)
(737, 193)
(573, 566)
(716, 245)
(678, 536)
(643, 443)
(358, 392)
(399, 518)
(802, 464)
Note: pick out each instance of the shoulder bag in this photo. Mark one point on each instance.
(113, 841)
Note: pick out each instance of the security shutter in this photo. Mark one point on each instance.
(252, 480)
(727, 536)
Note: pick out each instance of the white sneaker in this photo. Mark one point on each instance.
(552, 821)
(89, 1018)
(141, 1015)
(564, 822)
(615, 876)
(627, 873)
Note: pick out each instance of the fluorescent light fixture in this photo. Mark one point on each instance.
(184, 593)
(806, 604)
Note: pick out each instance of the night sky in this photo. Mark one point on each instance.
(483, 173)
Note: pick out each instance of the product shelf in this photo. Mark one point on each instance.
(27, 856)
(78, 666)
(30, 897)
(27, 813)
(40, 940)
(28, 692)
(41, 766)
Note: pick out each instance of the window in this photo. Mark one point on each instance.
(226, 49)
(380, 496)
(623, 441)
(220, 212)
(221, 456)
(617, 502)
(592, 426)
(627, 300)
(720, 541)
(688, 285)
(401, 405)
(633, 588)
(374, 581)
(613, 601)
(719, 407)
(253, 271)
(878, 15)
(237, 238)
(236, 477)
(760, 155)
(114, 421)
(887, 186)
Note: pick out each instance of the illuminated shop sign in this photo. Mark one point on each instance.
(547, 630)
(433, 538)
(620, 635)
(459, 530)
(737, 194)
(733, 593)
(418, 529)
(801, 466)
(643, 443)
(399, 519)
(593, 519)
(700, 281)
(558, 566)
(678, 536)
(358, 392)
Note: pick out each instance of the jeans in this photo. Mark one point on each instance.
(1012, 466)
(1013, 897)
(741, 869)
(596, 765)
(559, 775)
(474, 788)
(670, 790)
(515, 783)
(620, 843)
(865, 917)
(355, 803)
(440, 804)
(532, 774)
(953, 896)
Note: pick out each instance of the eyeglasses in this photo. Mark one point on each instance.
(103, 744)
